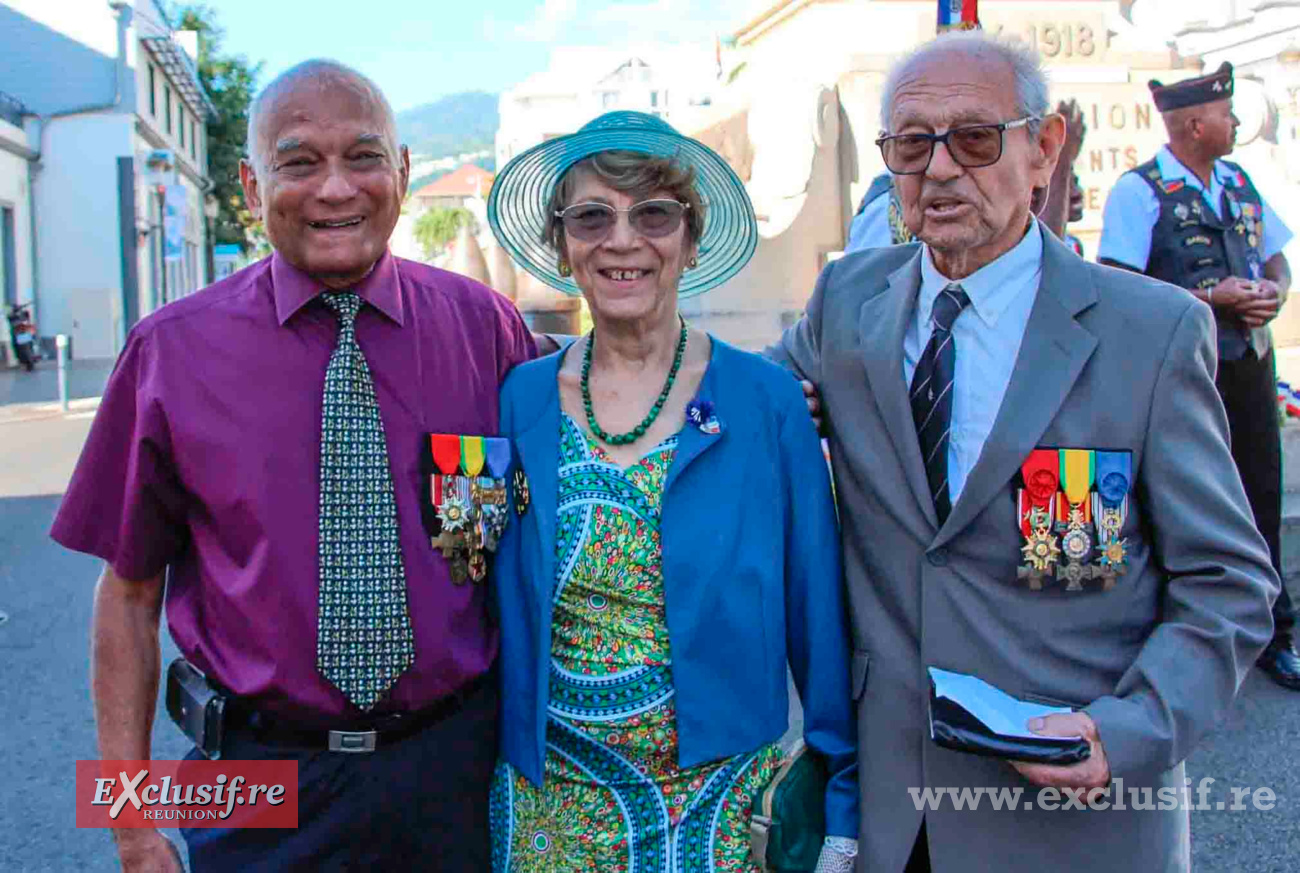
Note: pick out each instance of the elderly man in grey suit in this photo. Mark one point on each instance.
(1035, 487)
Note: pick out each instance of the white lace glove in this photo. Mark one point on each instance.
(838, 855)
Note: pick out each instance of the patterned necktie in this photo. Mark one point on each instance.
(932, 395)
(364, 640)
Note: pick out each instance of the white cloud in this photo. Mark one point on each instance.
(634, 14)
(600, 22)
(549, 21)
(670, 20)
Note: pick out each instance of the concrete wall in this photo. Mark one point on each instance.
(796, 144)
(78, 233)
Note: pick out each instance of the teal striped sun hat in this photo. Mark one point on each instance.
(516, 208)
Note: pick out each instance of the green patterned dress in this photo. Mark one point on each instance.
(613, 799)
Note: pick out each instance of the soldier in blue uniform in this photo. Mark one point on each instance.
(1189, 218)
(879, 220)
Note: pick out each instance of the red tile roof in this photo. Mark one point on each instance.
(467, 180)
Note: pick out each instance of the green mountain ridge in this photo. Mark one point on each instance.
(451, 125)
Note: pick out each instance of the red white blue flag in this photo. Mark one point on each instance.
(958, 15)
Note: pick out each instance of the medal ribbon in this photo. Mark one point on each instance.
(497, 452)
(445, 448)
(1042, 481)
(1064, 506)
(1077, 474)
(1114, 472)
(471, 454)
(1026, 507)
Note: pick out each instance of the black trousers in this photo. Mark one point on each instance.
(418, 804)
(1249, 391)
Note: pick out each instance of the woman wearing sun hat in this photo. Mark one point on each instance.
(675, 543)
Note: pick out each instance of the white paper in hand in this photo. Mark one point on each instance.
(999, 711)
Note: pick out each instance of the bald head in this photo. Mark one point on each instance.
(319, 76)
(325, 173)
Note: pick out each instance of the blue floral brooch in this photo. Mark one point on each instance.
(699, 412)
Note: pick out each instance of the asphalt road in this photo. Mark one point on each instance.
(46, 724)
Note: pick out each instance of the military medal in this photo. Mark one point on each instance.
(453, 512)
(1035, 508)
(1040, 548)
(521, 491)
(477, 566)
(493, 514)
(1180, 210)
(1074, 517)
(468, 513)
(1110, 506)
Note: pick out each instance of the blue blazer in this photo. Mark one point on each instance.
(751, 565)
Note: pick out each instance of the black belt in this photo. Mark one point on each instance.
(363, 736)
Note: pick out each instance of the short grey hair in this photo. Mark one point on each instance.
(1032, 88)
(320, 70)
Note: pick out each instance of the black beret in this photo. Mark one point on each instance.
(1193, 92)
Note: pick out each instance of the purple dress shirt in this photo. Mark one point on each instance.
(205, 458)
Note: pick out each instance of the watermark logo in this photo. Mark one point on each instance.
(225, 794)
(1115, 796)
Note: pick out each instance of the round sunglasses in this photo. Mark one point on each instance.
(592, 222)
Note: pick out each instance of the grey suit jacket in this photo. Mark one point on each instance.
(1111, 360)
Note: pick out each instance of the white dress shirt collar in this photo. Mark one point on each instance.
(993, 286)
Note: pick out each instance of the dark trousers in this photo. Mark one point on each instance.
(1249, 391)
(418, 804)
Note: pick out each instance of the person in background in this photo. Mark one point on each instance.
(1076, 214)
(678, 545)
(1197, 221)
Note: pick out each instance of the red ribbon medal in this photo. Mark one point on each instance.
(1041, 472)
(445, 448)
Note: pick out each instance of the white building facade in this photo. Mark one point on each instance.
(675, 83)
(116, 118)
(15, 213)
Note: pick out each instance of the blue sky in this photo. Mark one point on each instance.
(420, 50)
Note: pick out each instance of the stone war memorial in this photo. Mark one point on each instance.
(800, 115)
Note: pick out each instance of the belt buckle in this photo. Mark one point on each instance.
(353, 741)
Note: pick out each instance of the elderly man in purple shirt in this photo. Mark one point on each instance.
(263, 447)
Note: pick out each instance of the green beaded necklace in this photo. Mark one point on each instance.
(622, 439)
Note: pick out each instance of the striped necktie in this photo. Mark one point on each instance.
(363, 639)
(932, 395)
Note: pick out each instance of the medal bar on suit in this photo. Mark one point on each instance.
(1110, 508)
(469, 507)
(1035, 510)
(1077, 472)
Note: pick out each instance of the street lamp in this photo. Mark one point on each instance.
(211, 208)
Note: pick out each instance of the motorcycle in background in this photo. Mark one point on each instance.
(22, 334)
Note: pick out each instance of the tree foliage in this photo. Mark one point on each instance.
(438, 226)
(231, 83)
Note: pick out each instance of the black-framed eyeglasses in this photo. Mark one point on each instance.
(592, 222)
(974, 145)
